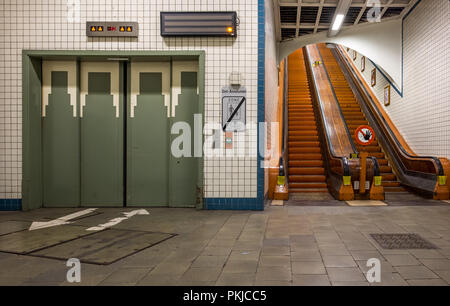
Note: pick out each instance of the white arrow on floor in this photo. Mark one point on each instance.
(60, 221)
(115, 221)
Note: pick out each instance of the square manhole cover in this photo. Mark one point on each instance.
(402, 241)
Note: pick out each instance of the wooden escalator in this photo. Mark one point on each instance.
(306, 171)
(354, 118)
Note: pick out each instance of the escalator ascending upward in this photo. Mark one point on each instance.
(306, 166)
(354, 118)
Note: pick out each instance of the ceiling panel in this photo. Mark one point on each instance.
(310, 11)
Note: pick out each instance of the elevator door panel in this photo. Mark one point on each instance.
(101, 134)
(148, 141)
(60, 135)
(184, 169)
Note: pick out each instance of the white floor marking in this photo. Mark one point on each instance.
(60, 221)
(363, 203)
(277, 202)
(115, 221)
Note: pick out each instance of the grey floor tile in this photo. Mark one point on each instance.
(337, 261)
(427, 282)
(308, 267)
(159, 280)
(236, 279)
(273, 274)
(275, 250)
(330, 250)
(126, 276)
(247, 246)
(275, 261)
(171, 268)
(261, 282)
(295, 247)
(209, 261)
(445, 275)
(241, 266)
(360, 246)
(201, 274)
(222, 242)
(365, 255)
(390, 279)
(306, 255)
(310, 280)
(436, 264)
(402, 260)
(352, 284)
(426, 254)
(246, 255)
(216, 250)
(415, 272)
(183, 282)
(345, 275)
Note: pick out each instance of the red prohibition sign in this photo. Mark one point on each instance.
(364, 135)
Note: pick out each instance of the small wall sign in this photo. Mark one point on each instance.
(387, 95)
(233, 108)
(112, 29)
(373, 77)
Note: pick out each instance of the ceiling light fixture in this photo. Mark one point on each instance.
(338, 22)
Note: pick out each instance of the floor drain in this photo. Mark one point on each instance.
(402, 241)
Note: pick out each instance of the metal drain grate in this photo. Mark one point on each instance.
(402, 241)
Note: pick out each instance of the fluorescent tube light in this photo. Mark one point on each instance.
(338, 22)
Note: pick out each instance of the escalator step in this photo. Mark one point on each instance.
(305, 163)
(305, 156)
(295, 150)
(306, 171)
(311, 144)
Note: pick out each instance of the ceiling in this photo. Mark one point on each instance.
(301, 17)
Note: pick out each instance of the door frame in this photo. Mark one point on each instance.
(32, 188)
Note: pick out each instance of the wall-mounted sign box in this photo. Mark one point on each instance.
(112, 29)
(198, 24)
(233, 108)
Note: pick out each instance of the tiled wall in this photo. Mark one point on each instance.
(422, 114)
(271, 91)
(44, 24)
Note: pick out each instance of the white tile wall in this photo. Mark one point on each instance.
(44, 24)
(422, 115)
(271, 90)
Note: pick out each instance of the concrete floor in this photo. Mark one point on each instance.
(283, 245)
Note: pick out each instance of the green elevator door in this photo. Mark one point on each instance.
(184, 169)
(60, 135)
(160, 96)
(148, 128)
(101, 112)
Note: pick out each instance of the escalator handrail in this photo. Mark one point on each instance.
(438, 164)
(284, 157)
(344, 159)
(373, 158)
(355, 150)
